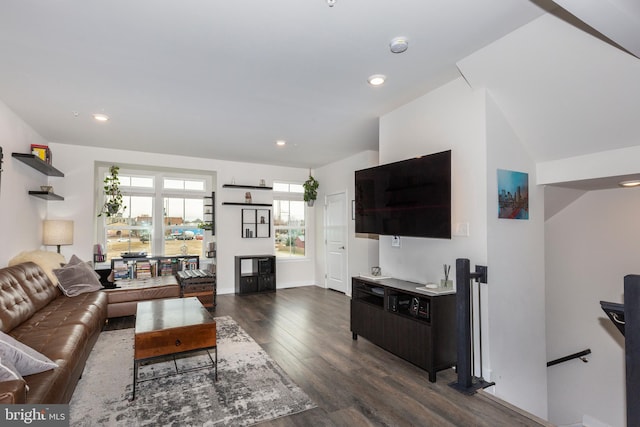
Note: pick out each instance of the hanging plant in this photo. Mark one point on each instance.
(310, 190)
(113, 200)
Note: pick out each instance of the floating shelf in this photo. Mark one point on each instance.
(246, 204)
(45, 195)
(249, 187)
(37, 163)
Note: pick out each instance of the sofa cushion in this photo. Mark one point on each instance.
(26, 360)
(46, 260)
(25, 289)
(15, 305)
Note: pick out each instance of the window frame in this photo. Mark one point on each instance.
(158, 194)
(297, 197)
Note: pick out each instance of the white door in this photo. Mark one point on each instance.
(336, 241)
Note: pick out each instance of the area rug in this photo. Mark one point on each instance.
(251, 387)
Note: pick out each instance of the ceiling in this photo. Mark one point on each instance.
(225, 80)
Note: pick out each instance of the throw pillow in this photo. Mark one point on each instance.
(74, 260)
(47, 261)
(26, 360)
(77, 279)
(8, 372)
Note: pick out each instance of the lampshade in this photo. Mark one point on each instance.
(57, 232)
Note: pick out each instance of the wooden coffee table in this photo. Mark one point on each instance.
(171, 327)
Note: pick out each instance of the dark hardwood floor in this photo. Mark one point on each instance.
(354, 383)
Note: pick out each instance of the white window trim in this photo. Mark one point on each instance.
(285, 195)
(157, 192)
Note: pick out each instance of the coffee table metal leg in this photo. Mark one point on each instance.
(216, 368)
(135, 379)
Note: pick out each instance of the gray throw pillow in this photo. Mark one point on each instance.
(74, 260)
(23, 358)
(76, 279)
(8, 372)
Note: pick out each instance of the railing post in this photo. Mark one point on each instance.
(632, 346)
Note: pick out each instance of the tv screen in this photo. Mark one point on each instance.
(407, 198)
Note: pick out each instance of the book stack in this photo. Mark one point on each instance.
(42, 151)
(142, 269)
(120, 270)
(166, 269)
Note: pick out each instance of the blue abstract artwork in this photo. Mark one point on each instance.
(513, 194)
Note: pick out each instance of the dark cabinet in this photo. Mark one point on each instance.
(417, 327)
(255, 273)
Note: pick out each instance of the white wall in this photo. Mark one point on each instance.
(449, 118)
(78, 164)
(467, 122)
(20, 214)
(362, 252)
(590, 246)
(516, 291)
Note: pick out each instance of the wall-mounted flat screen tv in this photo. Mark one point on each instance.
(407, 198)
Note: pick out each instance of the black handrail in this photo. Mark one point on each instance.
(580, 355)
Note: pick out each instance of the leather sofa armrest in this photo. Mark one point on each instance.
(13, 391)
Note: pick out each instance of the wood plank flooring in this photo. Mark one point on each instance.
(354, 383)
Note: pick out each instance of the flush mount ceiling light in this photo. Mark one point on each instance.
(281, 143)
(399, 44)
(376, 79)
(629, 184)
(331, 3)
(101, 117)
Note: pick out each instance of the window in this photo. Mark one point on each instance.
(289, 220)
(163, 216)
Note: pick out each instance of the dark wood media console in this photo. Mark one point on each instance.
(418, 326)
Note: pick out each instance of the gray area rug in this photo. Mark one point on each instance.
(251, 387)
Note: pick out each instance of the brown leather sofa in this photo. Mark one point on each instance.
(35, 312)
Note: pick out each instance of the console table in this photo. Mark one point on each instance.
(416, 325)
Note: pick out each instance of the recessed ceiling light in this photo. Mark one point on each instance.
(281, 143)
(399, 45)
(628, 184)
(376, 79)
(101, 117)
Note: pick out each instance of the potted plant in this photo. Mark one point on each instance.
(113, 196)
(310, 190)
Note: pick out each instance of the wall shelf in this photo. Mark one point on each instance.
(210, 216)
(246, 204)
(247, 187)
(37, 163)
(256, 223)
(45, 195)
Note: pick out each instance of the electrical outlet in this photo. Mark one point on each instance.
(482, 271)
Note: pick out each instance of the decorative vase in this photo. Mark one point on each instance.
(310, 203)
(247, 197)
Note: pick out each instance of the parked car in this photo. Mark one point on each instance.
(187, 235)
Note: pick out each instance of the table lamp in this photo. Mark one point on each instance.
(57, 232)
